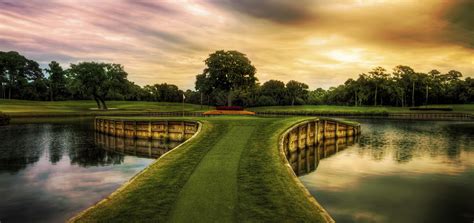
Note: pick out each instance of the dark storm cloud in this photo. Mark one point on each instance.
(280, 11)
(461, 22)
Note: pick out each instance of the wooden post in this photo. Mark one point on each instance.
(288, 143)
(150, 135)
(135, 130)
(308, 133)
(308, 167)
(149, 148)
(298, 134)
(183, 131)
(316, 132)
(336, 130)
(115, 128)
(324, 128)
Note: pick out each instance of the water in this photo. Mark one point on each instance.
(400, 171)
(49, 172)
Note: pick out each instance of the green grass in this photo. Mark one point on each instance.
(231, 171)
(467, 108)
(26, 108)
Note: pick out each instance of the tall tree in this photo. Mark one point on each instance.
(57, 81)
(16, 71)
(98, 80)
(378, 76)
(274, 89)
(229, 71)
(296, 90)
(204, 87)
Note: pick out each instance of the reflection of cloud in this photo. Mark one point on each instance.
(332, 172)
(73, 182)
(309, 40)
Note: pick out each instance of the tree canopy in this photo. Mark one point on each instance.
(227, 71)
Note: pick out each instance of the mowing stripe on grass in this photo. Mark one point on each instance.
(210, 195)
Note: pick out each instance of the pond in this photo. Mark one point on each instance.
(53, 169)
(398, 171)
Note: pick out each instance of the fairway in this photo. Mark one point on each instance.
(212, 188)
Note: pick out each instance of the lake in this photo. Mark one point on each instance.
(49, 172)
(398, 171)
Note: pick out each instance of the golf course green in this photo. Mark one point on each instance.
(230, 171)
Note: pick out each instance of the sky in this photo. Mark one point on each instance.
(319, 42)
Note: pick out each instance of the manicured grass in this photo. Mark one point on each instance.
(468, 108)
(23, 107)
(231, 171)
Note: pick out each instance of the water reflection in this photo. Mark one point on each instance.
(400, 171)
(306, 160)
(48, 172)
(136, 147)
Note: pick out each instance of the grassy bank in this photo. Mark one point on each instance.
(464, 108)
(231, 171)
(17, 108)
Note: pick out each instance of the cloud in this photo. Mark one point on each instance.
(319, 42)
(279, 11)
(461, 22)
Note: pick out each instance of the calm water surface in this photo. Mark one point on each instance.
(400, 171)
(49, 172)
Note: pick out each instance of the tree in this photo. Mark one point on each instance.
(57, 81)
(98, 80)
(296, 90)
(204, 87)
(229, 71)
(378, 76)
(16, 72)
(273, 89)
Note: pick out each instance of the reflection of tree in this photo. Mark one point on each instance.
(136, 147)
(19, 147)
(92, 156)
(408, 139)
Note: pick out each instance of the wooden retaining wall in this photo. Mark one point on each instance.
(158, 129)
(313, 132)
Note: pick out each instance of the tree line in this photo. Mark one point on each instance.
(227, 79)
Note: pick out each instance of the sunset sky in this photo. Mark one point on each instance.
(318, 42)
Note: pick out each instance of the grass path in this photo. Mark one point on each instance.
(230, 172)
(210, 195)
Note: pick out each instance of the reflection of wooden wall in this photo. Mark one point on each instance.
(172, 130)
(137, 147)
(305, 144)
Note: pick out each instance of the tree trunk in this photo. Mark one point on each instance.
(375, 100)
(426, 96)
(292, 101)
(413, 95)
(201, 99)
(355, 98)
(97, 101)
(104, 106)
(229, 99)
(51, 92)
(208, 101)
